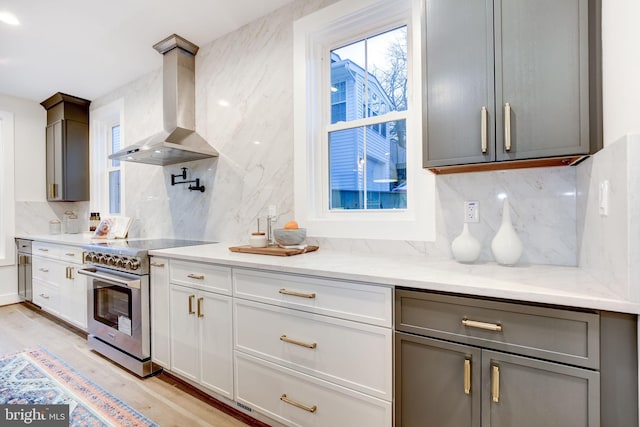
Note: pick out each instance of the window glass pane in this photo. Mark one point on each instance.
(346, 169)
(387, 66)
(347, 80)
(114, 192)
(367, 167)
(370, 76)
(115, 144)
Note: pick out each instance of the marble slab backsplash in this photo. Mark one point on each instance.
(32, 217)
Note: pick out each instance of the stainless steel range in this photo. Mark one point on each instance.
(118, 300)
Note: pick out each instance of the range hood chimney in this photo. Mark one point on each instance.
(178, 142)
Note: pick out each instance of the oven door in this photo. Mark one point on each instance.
(118, 305)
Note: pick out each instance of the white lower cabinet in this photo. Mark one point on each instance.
(311, 351)
(297, 399)
(160, 319)
(351, 354)
(201, 338)
(57, 286)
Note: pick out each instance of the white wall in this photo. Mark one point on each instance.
(29, 133)
(621, 68)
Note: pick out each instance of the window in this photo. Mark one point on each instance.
(107, 176)
(357, 125)
(7, 196)
(114, 171)
(376, 67)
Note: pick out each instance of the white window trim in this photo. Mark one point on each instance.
(102, 119)
(7, 189)
(314, 36)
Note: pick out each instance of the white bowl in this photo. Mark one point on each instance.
(290, 237)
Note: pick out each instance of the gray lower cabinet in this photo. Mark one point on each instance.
(462, 361)
(509, 80)
(445, 384)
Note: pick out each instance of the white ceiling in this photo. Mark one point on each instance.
(87, 48)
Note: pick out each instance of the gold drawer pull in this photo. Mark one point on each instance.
(191, 297)
(467, 376)
(311, 409)
(495, 383)
(200, 314)
(43, 249)
(300, 343)
(44, 270)
(157, 264)
(284, 291)
(44, 296)
(70, 254)
(195, 276)
(495, 327)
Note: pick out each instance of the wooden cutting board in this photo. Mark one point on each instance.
(272, 250)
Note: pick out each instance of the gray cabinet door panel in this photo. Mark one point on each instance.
(430, 383)
(542, 71)
(534, 393)
(459, 81)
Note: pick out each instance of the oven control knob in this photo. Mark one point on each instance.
(88, 256)
(120, 262)
(111, 260)
(128, 264)
(135, 264)
(102, 259)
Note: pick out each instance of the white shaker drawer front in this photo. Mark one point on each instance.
(72, 254)
(208, 277)
(46, 296)
(296, 399)
(346, 300)
(351, 354)
(47, 270)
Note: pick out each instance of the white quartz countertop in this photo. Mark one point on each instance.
(567, 286)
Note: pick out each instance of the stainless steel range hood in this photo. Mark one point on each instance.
(178, 142)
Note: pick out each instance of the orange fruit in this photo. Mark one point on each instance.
(291, 225)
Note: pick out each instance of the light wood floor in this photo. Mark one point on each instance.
(158, 400)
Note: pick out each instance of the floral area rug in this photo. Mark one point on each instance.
(37, 377)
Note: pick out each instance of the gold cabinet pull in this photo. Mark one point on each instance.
(44, 270)
(70, 272)
(507, 126)
(495, 327)
(44, 296)
(70, 254)
(200, 314)
(300, 343)
(195, 276)
(157, 264)
(191, 297)
(284, 291)
(467, 376)
(53, 191)
(495, 383)
(67, 273)
(43, 249)
(311, 409)
(483, 129)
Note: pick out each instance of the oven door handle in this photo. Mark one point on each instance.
(92, 272)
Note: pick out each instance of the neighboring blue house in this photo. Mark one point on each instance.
(385, 149)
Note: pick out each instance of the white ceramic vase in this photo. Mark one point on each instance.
(465, 247)
(506, 245)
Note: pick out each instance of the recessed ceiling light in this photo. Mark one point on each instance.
(223, 103)
(9, 18)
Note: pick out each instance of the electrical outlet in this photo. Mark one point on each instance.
(271, 210)
(471, 213)
(603, 198)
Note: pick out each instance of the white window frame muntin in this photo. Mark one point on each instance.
(102, 119)
(314, 35)
(7, 189)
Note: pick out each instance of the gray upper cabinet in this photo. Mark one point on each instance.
(67, 148)
(509, 80)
